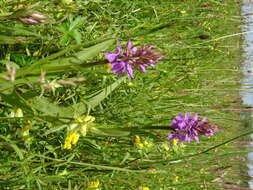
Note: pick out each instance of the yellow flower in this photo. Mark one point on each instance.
(137, 142)
(64, 172)
(83, 130)
(176, 179)
(25, 129)
(76, 129)
(75, 138)
(143, 188)
(136, 139)
(139, 145)
(173, 142)
(84, 122)
(108, 67)
(85, 119)
(79, 119)
(89, 119)
(70, 140)
(67, 144)
(130, 84)
(147, 144)
(17, 112)
(93, 184)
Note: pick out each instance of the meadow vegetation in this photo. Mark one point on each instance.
(73, 117)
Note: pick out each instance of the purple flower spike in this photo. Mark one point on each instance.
(132, 58)
(187, 128)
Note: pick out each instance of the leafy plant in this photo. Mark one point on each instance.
(70, 30)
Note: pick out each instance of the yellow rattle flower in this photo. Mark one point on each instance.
(70, 140)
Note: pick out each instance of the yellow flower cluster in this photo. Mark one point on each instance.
(94, 185)
(139, 144)
(84, 122)
(70, 140)
(85, 119)
(77, 129)
(16, 112)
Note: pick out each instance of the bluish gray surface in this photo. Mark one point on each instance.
(247, 69)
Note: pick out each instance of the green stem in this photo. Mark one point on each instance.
(93, 165)
(207, 150)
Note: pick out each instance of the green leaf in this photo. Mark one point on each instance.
(109, 132)
(44, 106)
(15, 39)
(18, 31)
(65, 63)
(91, 143)
(55, 129)
(94, 101)
(74, 24)
(53, 178)
(77, 36)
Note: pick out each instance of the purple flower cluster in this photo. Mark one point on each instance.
(132, 58)
(187, 128)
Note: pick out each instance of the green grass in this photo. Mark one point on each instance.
(200, 73)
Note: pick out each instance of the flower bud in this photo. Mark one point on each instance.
(33, 18)
(16, 113)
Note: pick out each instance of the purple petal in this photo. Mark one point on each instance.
(129, 70)
(151, 63)
(171, 136)
(188, 138)
(173, 123)
(187, 116)
(181, 137)
(196, 138)
(118, 67)
(142, 68)
(179, 117)
(128, 46)
(134, 50)
(110, 56)
(194, 132)
(118, 49)
(182, 125)
(203, 119)
(195, 117)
